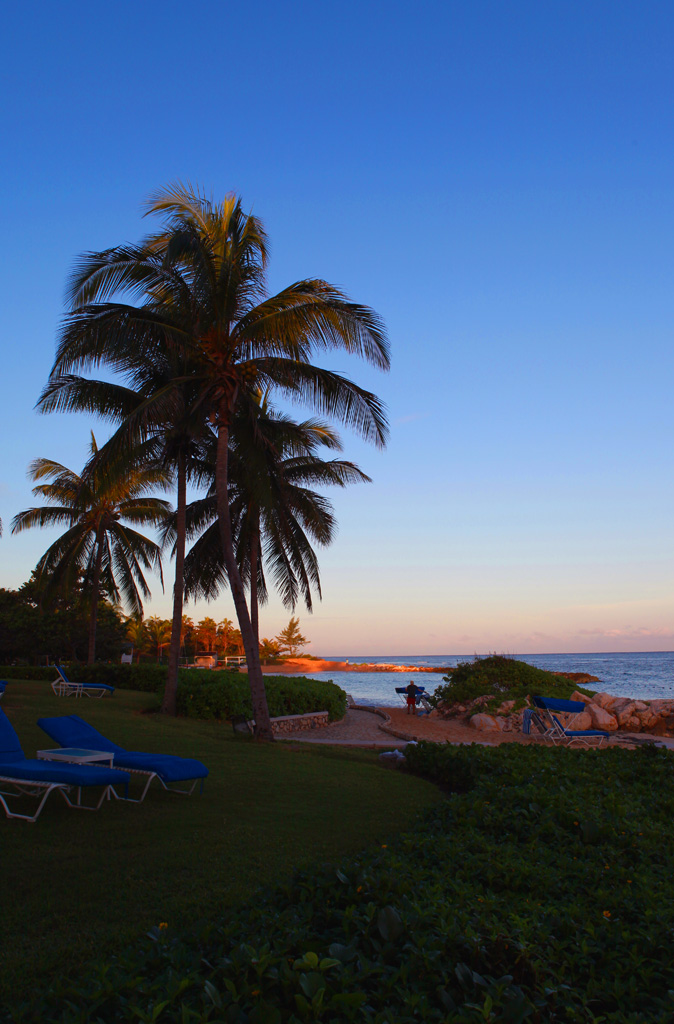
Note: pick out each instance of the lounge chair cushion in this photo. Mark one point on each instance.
(15, 765)
(10, 748)
(32, 770)
(73, 731)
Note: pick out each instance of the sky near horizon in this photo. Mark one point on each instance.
(496, 181)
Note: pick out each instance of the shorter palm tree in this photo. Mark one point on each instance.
(275, 514)
(98, 546)
(136, 632)
(158, 634)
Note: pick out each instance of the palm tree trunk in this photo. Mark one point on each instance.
(170, 693)
(94, 601)
(254, 603)
(258, 695)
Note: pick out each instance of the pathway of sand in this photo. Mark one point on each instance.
(362, 728)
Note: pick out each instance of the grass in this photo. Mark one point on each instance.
(76, 885)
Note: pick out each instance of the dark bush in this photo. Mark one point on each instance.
(204, 693)
(39, 672)
(503, 678)
(209, 695)
(149, 678)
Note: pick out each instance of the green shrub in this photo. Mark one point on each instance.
(205, 693)
(503, 678)
(37, 672)
(538, 895)
(149, 678)
(209, 695)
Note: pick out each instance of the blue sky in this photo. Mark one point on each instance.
(496, 180)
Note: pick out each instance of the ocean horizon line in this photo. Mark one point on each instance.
(507, 654)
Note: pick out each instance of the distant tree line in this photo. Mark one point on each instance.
(59, 632)
(32, 633)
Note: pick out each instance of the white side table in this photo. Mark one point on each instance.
(77, 755)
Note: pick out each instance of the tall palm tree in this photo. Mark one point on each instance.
(202, 282)
(99, 546)
(276, 516)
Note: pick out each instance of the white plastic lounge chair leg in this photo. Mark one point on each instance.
(79, 806)
(151, 777)
(29, 790)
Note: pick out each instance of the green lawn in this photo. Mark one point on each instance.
(76, 884)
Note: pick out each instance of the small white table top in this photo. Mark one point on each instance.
(76, 755)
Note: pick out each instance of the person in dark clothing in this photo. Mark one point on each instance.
(411, 692)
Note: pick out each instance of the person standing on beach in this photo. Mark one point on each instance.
(411, 692)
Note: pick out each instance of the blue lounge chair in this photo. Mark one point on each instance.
(558, 733)
(62, 687)
(73, 731)
(22, 776)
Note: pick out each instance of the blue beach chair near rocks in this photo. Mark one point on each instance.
(559, 733)
(29, 777)
(63, 687)
(73, 731)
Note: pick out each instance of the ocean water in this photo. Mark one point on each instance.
(646, 676)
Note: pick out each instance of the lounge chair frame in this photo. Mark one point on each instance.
(45, 789)
(561, 734)
(152, 771)
(63, 687)
(154, 775)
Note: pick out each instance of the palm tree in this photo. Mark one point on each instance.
(202, 281)
(207, 634)
(136, 631)
(160, 421)
(275, 515)
(98, 546)
(158, 634)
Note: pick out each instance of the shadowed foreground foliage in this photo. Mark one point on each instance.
(539, 891)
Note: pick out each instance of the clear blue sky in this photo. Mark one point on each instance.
(496, 180)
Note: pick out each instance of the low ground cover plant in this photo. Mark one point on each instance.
(538, 891)
(206, 693)
(502, 678)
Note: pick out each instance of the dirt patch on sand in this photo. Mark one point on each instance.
(430, 727)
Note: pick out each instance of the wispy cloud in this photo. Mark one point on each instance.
(629, 632)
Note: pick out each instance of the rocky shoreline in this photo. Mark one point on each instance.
(602, 711)
(308, 665)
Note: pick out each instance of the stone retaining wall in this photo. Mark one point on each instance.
(295, 723)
